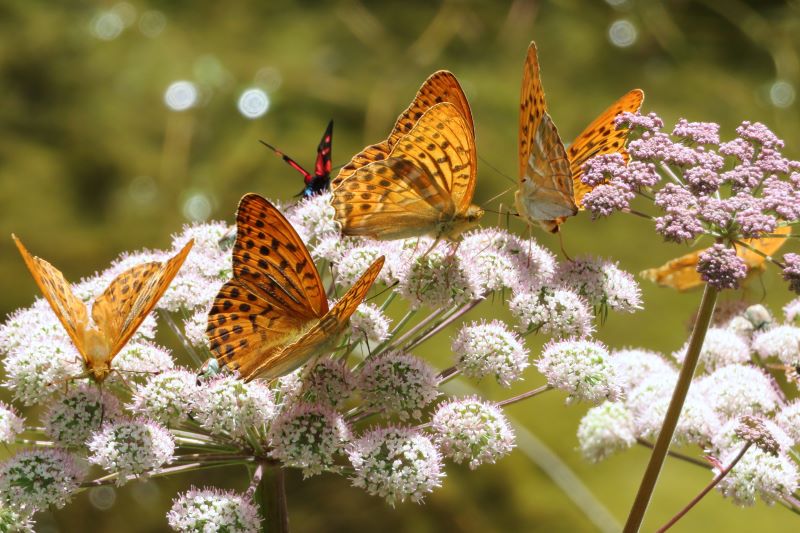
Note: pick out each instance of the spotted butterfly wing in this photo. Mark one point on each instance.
(599, 138)
(681, 273)
(69, 309)
(132, 295)
(441, 86)
(545, 181)
(424, 186)
(320, 180)
(273, 315)
(117, 313)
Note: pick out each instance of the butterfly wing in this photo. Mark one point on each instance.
(600, 137)
(681, 273)
(322, 334)
(767, 246)
(322, 167)
(441, 86)
(69, 309)
(385, 200)
(545, 188)
(275, 292)
(131, 296)
(428, 178)
(532, 107)
(442, 144)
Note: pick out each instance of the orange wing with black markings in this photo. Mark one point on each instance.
(424, 186)
(273, 315)
(441, 86)
(599, 138)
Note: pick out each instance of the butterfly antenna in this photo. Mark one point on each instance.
(388, 287)
(561, 244)
(506, 176)
(288, 160)
(496, 196)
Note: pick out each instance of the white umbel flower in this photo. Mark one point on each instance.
(131, 448)
(737, 390)
(781, 342)
(11, 424)
(39, 478)
(605, 430)
(758, 474)
(490, 349)
(213, 510)
(398, 382)
(396, 463)
(167, 398)
(721, 347)
(70, 419)
(472, 431)
(581, 368)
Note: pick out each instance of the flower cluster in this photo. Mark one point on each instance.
(734, 400)
(742, 192)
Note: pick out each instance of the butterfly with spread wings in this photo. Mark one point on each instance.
(273, 315)
(421, 179)
(116, 314)
(681, 273)
(320, 180)
(550, 186)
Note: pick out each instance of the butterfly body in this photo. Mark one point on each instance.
(320, 180)
(550, 187)
(116, 314)
(273, 315)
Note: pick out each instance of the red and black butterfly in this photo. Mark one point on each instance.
(320, 180)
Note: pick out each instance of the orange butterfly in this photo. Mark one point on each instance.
(550, 188)
(116, 314)
(273, 315)
(681, 273)
(421, 180)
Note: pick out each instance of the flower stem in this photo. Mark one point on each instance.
(524, 395)
(661, 446)
(271, 496)
(705, 490)
(677, 455)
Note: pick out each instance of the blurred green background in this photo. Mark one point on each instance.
(92, 163)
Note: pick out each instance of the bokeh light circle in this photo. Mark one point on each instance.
(253, 103)
(622, 33)
(102, 498)
(781, 93)
(197, 207)
(181, 95)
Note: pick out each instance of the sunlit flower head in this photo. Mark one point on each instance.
(70, 419)
(581, 368)
(470, 430)
(632, 366)
(36, 371)
(396, 463)
(605, 430)
(720, 347)
(559, 312)
(780, 342)
(438, 279)
(227, 405)
(11, 424)
(39, 478)
(130, 448)
(370, 323)
(167, 398)
(490, 349)
(602, 283)
(398, 382)
(736, 390)
(212, 509)
(308, 436)
(758, 474)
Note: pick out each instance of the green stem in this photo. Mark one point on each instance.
(661, 446)
(524, 395)
(714, 482)
(271, 496)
